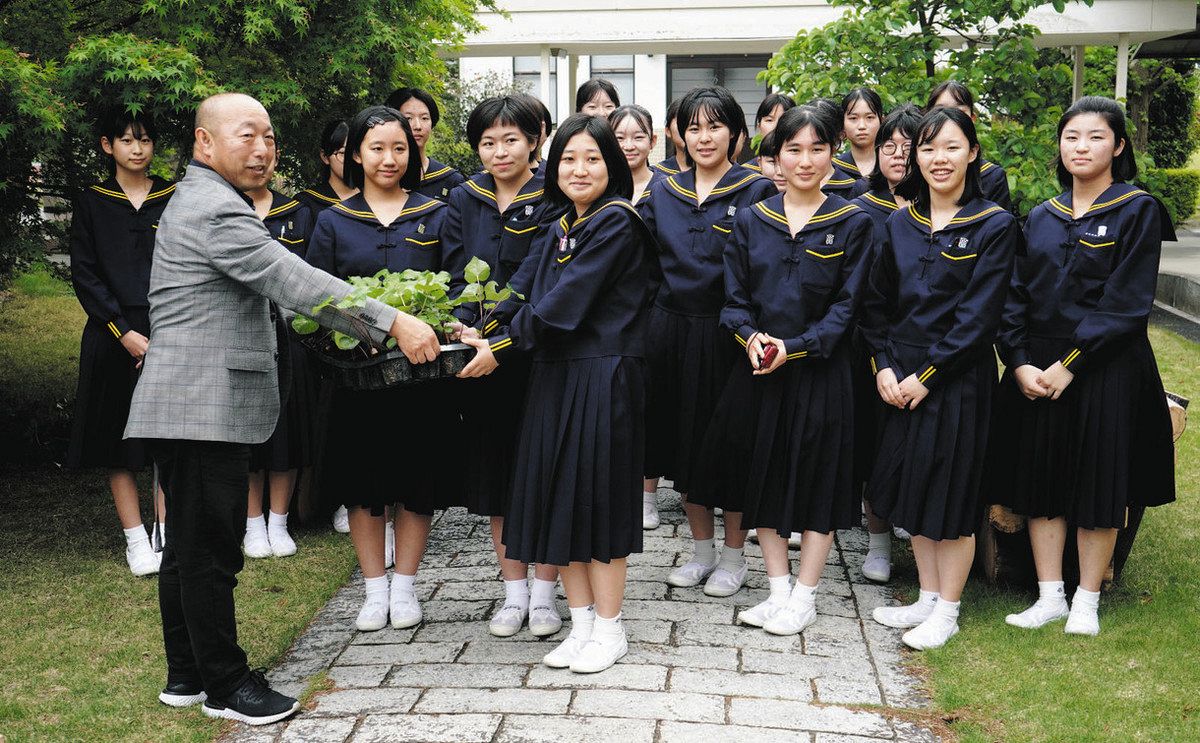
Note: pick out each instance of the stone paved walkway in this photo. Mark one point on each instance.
(691, 673)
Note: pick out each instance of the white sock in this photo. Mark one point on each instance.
(927, 597)
(946, 609)
(1086, 599)
(880, 544)
(802, 594)
(704, 551)
(278, 521)
(377, 588)
(650, 497)
(781, 588)
(542, 593)
(607, 627)
(1051, 591)
(403, 583)
(135, 534)
(732, 559)
(516, 593)
(582, 619)
(256, 523)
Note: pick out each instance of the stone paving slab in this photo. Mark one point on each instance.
(692, 674)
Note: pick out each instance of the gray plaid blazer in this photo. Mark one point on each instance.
(211, 371)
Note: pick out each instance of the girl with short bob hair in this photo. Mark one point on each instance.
(111, 245)
(634, 128)
(691, 214)
(497, 216)
(1083, 435)
(782, 433)
(993, 182)
(332, 187)
(421, 110)
(597, 97)
(766, 118)
(930, 315)
(862, 113)
(579, 453)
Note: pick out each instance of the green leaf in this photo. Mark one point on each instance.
(305, 325)
(344, 342)
(477, 270)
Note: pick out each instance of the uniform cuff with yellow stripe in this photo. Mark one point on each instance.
(797, 348)
(500, 343)
(117, 326)
(489, 327)
(1071, 358)
(879, 362)
(928, 375)
(744, 334)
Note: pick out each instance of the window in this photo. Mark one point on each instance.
(527, 77)
(618, 70)
(737, 74)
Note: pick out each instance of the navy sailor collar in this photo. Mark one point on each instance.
(356, 207)
(833, 210)
(683, 185)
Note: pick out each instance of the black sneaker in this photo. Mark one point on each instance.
(254, 702)
(182, 693)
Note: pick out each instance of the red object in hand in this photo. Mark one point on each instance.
(769, 353)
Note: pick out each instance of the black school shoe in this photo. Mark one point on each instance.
(182, 693)
(254, 702)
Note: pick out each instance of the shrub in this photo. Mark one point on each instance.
(1178, 188)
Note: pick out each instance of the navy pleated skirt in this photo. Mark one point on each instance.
(394, 446)
(292, 444)
(580, 455)
(929, 464)
(781, 448)
(492, 407)
(868, 408)
(688, 360)
(1102, 447)
(107, 376)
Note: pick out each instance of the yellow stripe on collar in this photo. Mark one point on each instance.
(436, 173)
(876, 200)
(342, 207)
(481, 190)
(761, 206)
(107, 192)
(530, 195)
(833, 214)
(163, 192)
(427, 205)
(321, 196)
(283, 208)
(984, 213)
(1119, 199)
(1054, 202)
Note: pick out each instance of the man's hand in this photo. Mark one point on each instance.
(136, 344)
(415, 338)
(1027, 381)
(484, 362)
(1055, 380)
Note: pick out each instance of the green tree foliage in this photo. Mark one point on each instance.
(63, 61)
(904, 48)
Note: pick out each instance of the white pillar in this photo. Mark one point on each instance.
(572, 79)
(1077, 87)
(544, 77)
(1122, 66)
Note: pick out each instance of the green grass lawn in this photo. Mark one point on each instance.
(80, 641)
(1136, 681)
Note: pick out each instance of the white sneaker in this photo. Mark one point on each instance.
(389, 544)
(724, 582)
(600, 653)
(1082, 621)
(544, 621)
(792, 619)
(904, 617)
(1043, 612)
(650, 517)
(690, 574)
(877, 568)
(794, 540)
(568, 649)
(405, 609)
(508, 621)
(372, 616)
(341, 520)
(142, 558)
(757, 615)
(934, 632)
(256, 544)
(900, 533)
(282, 544)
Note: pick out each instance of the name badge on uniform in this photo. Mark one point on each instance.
(290, 226)
(572, 243)
(732, 211)
(421, 229)
(1102, 229)
(529, 210)
(562, 244)
(445, 192)
(829, 239)
(962, 243)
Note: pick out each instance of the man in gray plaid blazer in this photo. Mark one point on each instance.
(209, 388)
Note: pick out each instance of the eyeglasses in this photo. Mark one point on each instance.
(889, 149)
(339, 154)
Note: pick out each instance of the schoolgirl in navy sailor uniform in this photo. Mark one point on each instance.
(691, 214)
(862, 113)
(580, 451)
(839, 182)
(1082, 431)
(783, 428)
(893, 144)
(993, 179)
(388, 225)
(332, 187)
(111, 245)
(418, 106)
(770, 109)
(498, 216)
(597, 97)
(930, 316)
